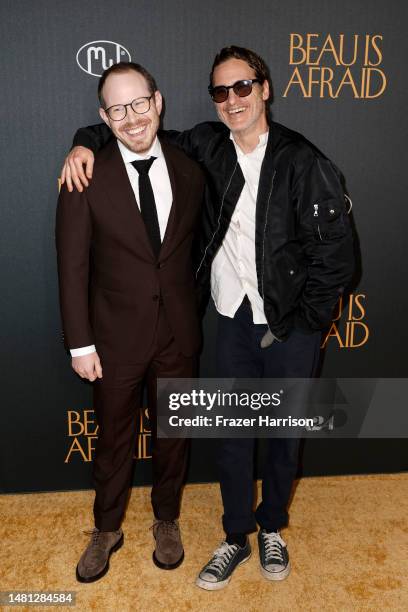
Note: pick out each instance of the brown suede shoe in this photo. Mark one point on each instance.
(169, 552)
(94, 562)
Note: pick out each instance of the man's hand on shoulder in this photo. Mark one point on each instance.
(88, 366)
(73, 169)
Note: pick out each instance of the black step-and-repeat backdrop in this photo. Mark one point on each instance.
(338, 71)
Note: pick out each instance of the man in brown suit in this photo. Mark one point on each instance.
(128, 303)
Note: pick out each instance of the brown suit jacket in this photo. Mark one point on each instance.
(110, 282)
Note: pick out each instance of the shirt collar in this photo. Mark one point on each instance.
(129, 156)
(263, 138)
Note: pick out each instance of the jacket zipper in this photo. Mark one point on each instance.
(218, 220)
(264, 233)
(316, 214)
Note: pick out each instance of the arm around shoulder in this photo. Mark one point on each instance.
(92, 137)
(195, 142)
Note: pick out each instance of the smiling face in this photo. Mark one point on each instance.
(135, 131)
(245, 117)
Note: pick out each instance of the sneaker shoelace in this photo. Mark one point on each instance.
(221, 557)
(273, 547)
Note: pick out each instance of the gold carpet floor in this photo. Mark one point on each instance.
(348, 542)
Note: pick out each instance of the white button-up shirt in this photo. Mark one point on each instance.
(233, 272)
(160, 180)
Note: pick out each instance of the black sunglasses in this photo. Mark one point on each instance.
(240, 88)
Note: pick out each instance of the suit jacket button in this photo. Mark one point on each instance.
(159, 265)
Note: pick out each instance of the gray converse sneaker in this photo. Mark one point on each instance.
(94, 562)
(218, 571)
(273, 555)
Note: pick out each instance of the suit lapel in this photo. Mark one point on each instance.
(119, 190)
(179, 180)
(117, 186)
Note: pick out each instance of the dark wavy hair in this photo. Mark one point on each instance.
(253, 60)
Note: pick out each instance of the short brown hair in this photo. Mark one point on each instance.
(120, 68)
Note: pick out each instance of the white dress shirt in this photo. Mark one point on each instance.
(233, 272)
(160, 180)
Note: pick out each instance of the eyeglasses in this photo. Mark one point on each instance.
(117, 112)
(241, 88)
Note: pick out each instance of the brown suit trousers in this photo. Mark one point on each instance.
(117, 399)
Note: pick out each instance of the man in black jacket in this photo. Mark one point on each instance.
(276, 251)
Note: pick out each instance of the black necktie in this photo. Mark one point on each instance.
(147, 203)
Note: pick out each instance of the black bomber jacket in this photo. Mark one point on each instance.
(303, 238)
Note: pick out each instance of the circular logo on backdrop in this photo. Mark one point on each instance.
(96, 56)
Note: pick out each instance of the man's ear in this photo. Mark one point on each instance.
(265, 90)
(158, 101)
(104, 116)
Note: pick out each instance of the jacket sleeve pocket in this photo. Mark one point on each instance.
(329, 219)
